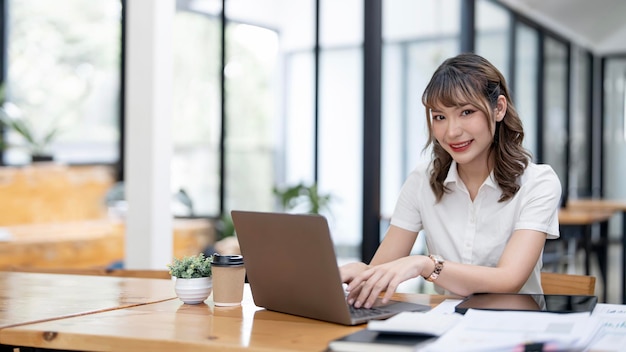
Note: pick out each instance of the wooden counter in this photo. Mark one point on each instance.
(51, 192)
(85, 244)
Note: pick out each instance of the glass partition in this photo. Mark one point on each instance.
(64, 78)
(525, 89)
(341, 117)
(493, 25)
(418, 36)
(580, 129)
(614, 134)
(555, 117)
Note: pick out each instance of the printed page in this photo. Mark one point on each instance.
(433, 323)
(612, 328)
(484, 330)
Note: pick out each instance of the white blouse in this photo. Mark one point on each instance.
(476, 232)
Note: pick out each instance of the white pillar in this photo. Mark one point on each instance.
(149, 71)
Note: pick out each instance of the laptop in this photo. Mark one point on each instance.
(292, 268)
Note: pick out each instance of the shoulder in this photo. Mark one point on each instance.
(421, 172)
(540, 178)
(540, 173)
(418, 178)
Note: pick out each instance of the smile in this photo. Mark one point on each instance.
(461, 146)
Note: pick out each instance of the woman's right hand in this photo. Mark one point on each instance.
(349, 271)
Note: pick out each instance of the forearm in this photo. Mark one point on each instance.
(465, 279)
(397, 243)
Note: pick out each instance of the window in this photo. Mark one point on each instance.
(555, 108)
(413, 48)
(196, 123)
(492, 34)
(525, 89)
(64, 73)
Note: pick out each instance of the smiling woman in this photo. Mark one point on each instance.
(485, 208)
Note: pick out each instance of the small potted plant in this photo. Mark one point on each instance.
(193, 278)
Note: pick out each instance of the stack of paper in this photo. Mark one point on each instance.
(604, 330)
(416, 323)
(611, 337)
(485, 330)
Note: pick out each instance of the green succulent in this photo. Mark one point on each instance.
(191, 267)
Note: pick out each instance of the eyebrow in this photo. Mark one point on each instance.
(460, 106)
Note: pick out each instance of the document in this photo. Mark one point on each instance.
(611, 335)
(432, 323)
(485, 330)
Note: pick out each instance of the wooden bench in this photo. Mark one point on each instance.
(51, 193)
(88, 244)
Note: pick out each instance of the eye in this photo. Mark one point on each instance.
(437, 117)
(467, 112)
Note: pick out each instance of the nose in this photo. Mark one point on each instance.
(454, 127)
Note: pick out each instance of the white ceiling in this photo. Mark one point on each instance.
(598, 25)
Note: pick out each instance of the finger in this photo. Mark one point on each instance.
(358, 280)
(365, 289)
(392, 284)
(352, 295)
(391, 289)
(370, 290)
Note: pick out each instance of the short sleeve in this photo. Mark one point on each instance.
(406, 214)
(539, 207)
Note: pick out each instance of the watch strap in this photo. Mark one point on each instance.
(438, 260)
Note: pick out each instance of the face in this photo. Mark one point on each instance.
(465, 132)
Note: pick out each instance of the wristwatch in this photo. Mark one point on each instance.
(438, 260)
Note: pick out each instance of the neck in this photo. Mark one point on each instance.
(476, 173)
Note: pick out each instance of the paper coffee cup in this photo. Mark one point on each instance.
(229, 275)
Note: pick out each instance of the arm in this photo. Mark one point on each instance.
(397, 243)
(390, 260)
(516, 263)
(391, 266)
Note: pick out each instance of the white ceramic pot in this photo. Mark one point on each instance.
(193, 291)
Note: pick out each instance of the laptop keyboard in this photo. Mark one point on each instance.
(366, 312)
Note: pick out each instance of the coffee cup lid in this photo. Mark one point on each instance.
(226, 260)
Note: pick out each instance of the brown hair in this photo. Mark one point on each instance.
(469, 78)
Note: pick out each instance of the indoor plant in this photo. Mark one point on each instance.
(193, 278)
(35, 142)
(303, 198)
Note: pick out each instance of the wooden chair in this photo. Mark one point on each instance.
(568, 284)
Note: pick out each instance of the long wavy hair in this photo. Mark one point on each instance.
(469, 78)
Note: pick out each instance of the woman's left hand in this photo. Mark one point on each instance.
(365, 288)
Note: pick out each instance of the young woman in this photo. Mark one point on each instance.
(485, 208)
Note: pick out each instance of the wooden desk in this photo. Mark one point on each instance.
(173, 326)
(606, 205)
(31, 297)
(584, 219)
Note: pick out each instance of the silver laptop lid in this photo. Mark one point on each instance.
(291, 264)
(292, 268)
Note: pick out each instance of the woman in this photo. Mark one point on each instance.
(485, 208)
